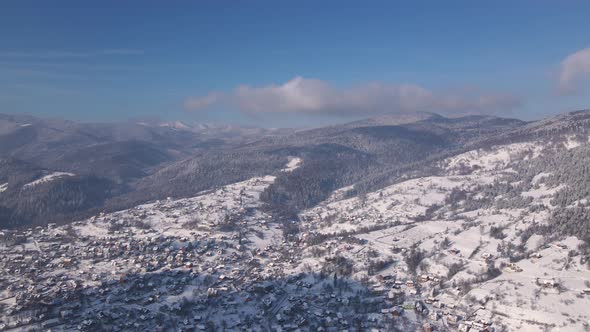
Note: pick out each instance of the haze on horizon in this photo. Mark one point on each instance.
(305, 63)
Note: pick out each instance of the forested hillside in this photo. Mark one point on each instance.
(118, 166)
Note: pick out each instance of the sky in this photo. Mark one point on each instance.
(292, 63)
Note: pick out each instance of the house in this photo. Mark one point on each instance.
(561, 245)
(514, 267)
(419, 306)
(487, 329)
(408, 306)
(464, 327)
(547, 283)
(454, 251)
(434, 315)
(393, 293)
(452, 319)
(477, 325)
(487, 256)
(65, 314)
(437, 304)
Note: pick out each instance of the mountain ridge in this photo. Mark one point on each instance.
(142, 163)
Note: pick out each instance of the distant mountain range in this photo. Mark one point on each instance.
(90, 167)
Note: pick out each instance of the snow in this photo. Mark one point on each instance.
(540, 176)
(292, 165)
(48, 178)
(491, 159)
(542, 192)
(385, 222)
(400, 202)
(523, 301)
(571, 143)
(514, 295)
(175, 125)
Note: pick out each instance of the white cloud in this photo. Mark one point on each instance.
(574, 68)
(199, 103)
(313, 96)
(301, 95)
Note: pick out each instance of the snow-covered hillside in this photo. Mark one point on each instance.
(483, 253)
(48, 178)
(465, 248)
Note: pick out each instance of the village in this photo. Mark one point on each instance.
(136, 279)
(219, 261)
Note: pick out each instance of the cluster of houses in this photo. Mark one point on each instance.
(123, 271)
(131, 277)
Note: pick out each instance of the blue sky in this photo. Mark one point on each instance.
(300, 63)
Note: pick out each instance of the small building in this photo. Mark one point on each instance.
(452, 319)
(434, 315)
(547, 283)
(464, 327)
(514, 267)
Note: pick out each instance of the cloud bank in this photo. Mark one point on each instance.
(574, 69)
(313, 96)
